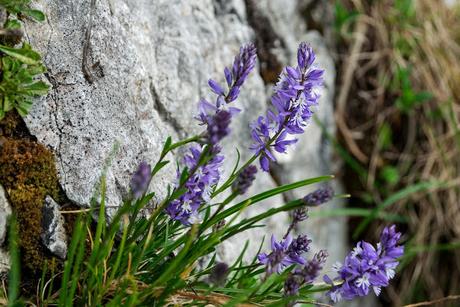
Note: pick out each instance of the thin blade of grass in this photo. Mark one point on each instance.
(259, 197)
(338, 212)
(14, 276)
(400, 195)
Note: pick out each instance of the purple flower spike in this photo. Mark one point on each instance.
(140, 179)
(319, 197)
(313, 267)
(279, 258)
(305, 55)
(218, 126)
(305, 275)
(367, 268)
(217, 117)
(242, 65)
(295, 96)
(299, 246)
(300, 215)
(244, 180)
(199, 186)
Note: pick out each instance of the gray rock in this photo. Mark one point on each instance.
(5, 212)
(5, 263)
(54, 236)
(150, 62)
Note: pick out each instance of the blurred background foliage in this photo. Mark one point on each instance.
(397, 112)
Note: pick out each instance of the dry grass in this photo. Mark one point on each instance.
(425, 141)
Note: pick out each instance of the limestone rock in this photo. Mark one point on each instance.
(5, 212)
(54, 236)
(5, 263)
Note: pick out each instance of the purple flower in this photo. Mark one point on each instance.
(281, 143)
(293, 284)
(242, 65)
(299, 246)
(219, 274)
(140, 179)
(261, 131)
(315, 198)
(299, 215)
(217, 117)
(319, 197)
(244, 180)
(279, 258)
(313, 267)
(199, 186)
(388, 242)
(215, 87)
(218, 126)
(367, 268)
(305, 56)
(305, 275)
(295, 95)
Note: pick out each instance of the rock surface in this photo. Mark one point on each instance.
(54, 236)
(5, 263)
(5, 212)
(149, 63)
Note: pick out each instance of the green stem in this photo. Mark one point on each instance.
(179, 144)
(222, 205)
(232, 178)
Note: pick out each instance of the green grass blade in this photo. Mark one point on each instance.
(77, 237)
(400, 195)
(259, 197)
(14, 277)
(338, 212)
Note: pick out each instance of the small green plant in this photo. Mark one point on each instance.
(409, 98)
(22, 7)
(20, 67)
(343, 16)
(18, 84)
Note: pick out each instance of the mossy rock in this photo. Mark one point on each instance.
(28, 173)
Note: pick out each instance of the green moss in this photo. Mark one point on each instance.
(8, 124)
(28, 173)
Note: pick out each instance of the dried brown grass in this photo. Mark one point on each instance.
(425, 146)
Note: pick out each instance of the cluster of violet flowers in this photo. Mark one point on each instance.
(291, 251)
(217, 118)
(366, 267)
(296, 92)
